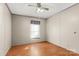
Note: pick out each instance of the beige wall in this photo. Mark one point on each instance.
(61, 28)
(21, 30)
(5, 29)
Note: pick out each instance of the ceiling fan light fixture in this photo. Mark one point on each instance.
(40, 10)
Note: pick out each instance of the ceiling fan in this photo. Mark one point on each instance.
(40, 8)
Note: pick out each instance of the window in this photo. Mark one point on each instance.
(35, 29)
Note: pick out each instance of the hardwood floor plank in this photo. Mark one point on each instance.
(39, 49)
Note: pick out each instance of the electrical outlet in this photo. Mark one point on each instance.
(75, 32)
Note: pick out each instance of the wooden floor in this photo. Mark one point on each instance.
(39, 49)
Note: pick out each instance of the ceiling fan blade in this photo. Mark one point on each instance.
(30, 5)
(45, 8)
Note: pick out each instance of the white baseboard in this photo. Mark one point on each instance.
(64, 47)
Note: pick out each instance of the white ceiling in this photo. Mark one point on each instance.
(24, 9)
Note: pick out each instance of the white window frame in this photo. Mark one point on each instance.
(35, 33)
